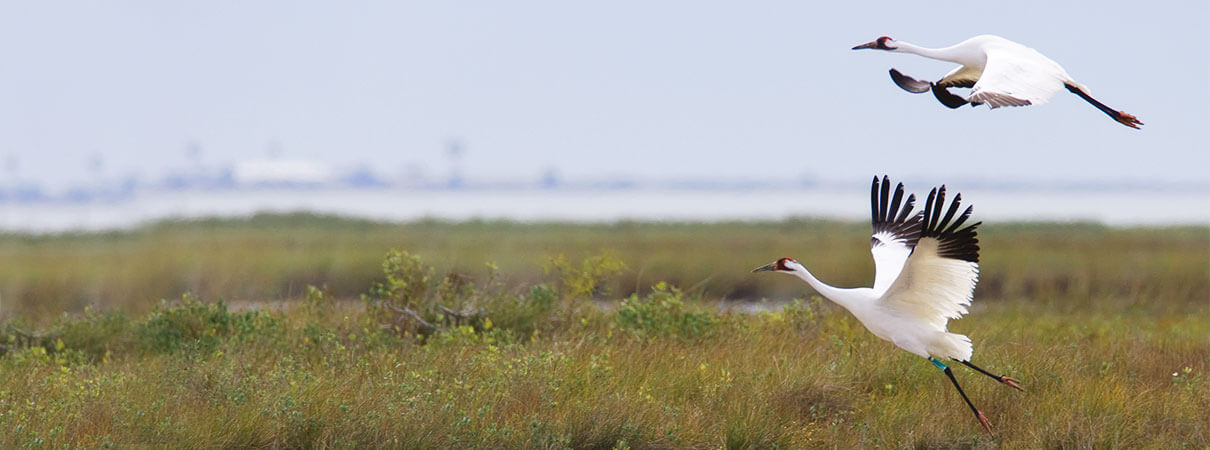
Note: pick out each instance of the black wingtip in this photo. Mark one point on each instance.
(947, 98)
(910, 84)
(891, 213)
(956, 243)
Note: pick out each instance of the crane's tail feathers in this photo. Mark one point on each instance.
(910, 84)
(950, 345)
(1121, 117)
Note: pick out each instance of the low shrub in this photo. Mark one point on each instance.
(194, 324)
(663, 313)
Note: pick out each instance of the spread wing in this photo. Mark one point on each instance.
(961, 76)
(938, 279)
(896, 231)
(908, 83)
(1017, 76)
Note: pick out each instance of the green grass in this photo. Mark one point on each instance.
(274, 257)
(1105, 327)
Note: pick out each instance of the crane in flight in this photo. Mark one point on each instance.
(926, 266)
(999, 72)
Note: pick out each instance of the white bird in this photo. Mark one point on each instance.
(926, 268)
(999, 72)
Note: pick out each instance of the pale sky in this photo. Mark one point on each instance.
(689, 89)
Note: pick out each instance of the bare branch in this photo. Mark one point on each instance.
(409, 313)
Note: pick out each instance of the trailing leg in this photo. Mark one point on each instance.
(978, 415)
(1123, 118)
(1010, 381)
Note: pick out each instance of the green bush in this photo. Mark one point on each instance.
(522, 314)
(95, 335)
(190, 323)
(407, 288)
(194, 324)
(317, 302)
(662, 313)
(409, 301)
(584, 281)
(802, 314)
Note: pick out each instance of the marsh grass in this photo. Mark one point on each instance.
(1106, 328)
(775, 379)
(271, 258)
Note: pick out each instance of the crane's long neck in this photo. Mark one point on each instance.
(953, 53)
(840, 296)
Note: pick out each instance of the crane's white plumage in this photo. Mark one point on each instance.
(925, 273)
(890, 254)
(933, 288)
(999, 72)
(926, 266)
(896, 231)
(1016, 75)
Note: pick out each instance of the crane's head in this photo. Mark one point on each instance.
(882, 43)
(786, 265)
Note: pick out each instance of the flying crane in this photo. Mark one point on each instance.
(926, 266)
(999, 72)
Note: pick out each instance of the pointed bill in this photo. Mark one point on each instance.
(766, 267)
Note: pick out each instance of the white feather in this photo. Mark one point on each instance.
(1019, 72)
(932, 289)
(889, 256)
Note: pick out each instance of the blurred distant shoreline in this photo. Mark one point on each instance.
(600, 202)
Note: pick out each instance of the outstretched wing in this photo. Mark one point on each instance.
(962, 77)
(908, 83)
(896, 230)
(1017, 76)
(938, 280)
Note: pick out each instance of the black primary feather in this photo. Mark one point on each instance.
(892, 214)
(953, 242)
(947, 98)
(908, 83)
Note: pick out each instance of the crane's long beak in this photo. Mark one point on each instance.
(765, 268)
(873, 44)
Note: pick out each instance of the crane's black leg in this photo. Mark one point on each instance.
(1123, 118)
(1010, 381)
(978, 415)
